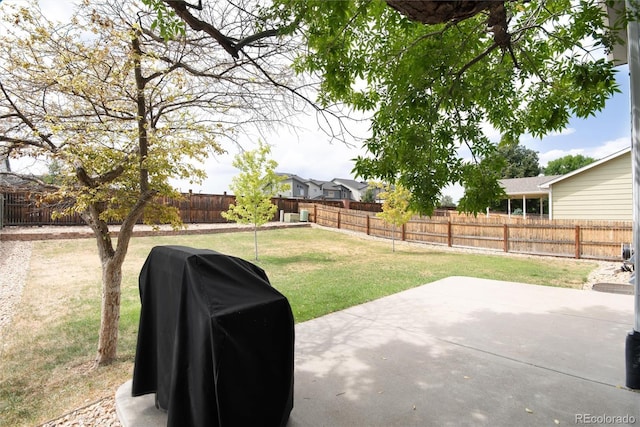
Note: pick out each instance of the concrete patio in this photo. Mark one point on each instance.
(458, 352)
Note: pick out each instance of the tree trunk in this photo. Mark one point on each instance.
(255, 239)
(110, 314)
(111, 261)
(439, 11)
(393, 238)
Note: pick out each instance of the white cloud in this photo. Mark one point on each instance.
(563, 132)
(546, 157)
(308, 154)
(597, 152)
(456, 191)
(490, 132)
(609, 147)
(29, 166)
(57, 10)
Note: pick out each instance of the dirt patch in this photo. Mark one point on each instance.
(46, 299)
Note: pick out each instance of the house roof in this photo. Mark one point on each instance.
(13, 182)
(546, 185)
(292, 176)
(329, 185)
(351, 183)
(522, 186)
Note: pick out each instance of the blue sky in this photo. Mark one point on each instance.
(605, 133)
(310, 153)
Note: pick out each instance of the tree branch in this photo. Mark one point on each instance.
(259, 36)
(143, 140)
(130, 221)
(180, 7)
(232, 47)
(45, 138)
(30, 178)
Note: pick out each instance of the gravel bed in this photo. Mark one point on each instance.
(14, 266)
(99, 414)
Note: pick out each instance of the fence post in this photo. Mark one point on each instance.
(403, 236)
(449, 236)
(577, 238)
(368, 229)
(505, 237)
(315, 213)
(338, 219)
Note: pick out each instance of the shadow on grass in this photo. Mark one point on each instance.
(306, 258)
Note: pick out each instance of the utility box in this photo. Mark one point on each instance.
(291, 217)
(304, 215)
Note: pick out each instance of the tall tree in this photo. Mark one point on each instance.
(123, 111)
(519, 161)
(446, 201)
(369, 195)
(567, 164)
(437, 81)
(254, 187)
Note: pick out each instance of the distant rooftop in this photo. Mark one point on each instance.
(529, 185)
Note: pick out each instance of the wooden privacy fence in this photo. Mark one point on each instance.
(27, 209)
(599, 240)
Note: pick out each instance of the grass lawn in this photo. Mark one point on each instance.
(47, 353)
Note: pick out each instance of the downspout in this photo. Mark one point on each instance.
(632, 348)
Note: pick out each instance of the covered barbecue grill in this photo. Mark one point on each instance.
(215, 342)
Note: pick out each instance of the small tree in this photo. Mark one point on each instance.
(395, 208)
(254, 187)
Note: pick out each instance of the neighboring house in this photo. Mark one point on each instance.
(332, 191)
(527, 189)
(602, 190)
(315, 188)
(298, 187)
(357, 188)
(338, 189)
(327, 190)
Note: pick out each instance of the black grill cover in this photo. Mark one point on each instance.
(215, 342)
